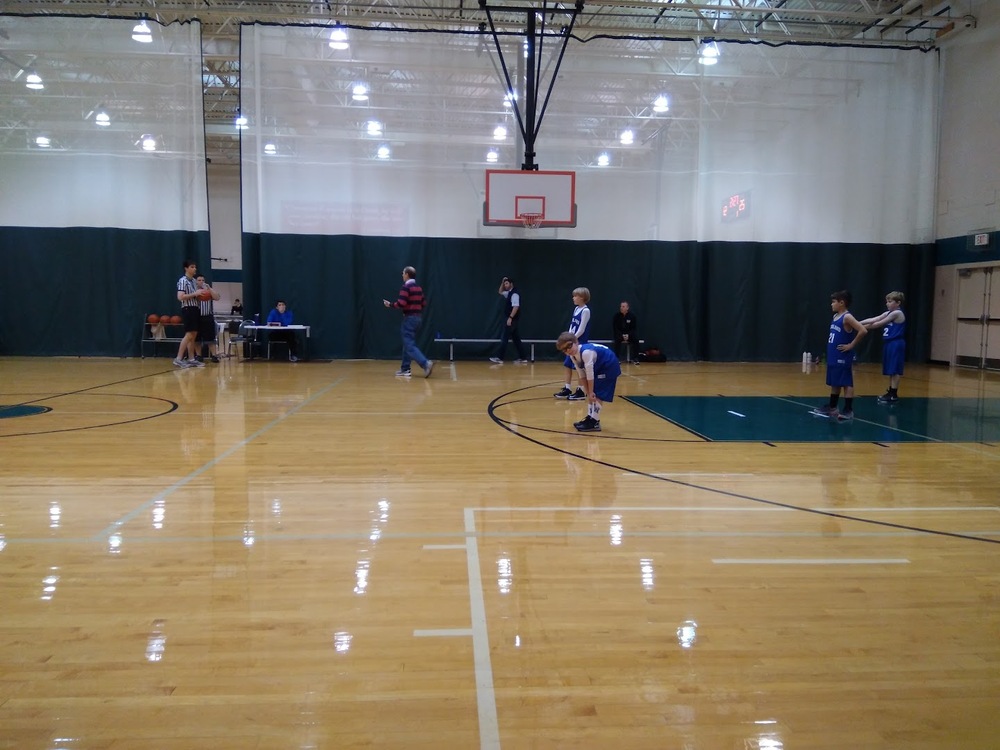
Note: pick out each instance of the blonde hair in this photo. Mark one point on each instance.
(565, 338)
(895, 296)
(582, 291)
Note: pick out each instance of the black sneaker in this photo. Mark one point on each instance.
(214, 358)
(887, 398)
(578, 396)
(589, 425)
(564, 393)
(582, 422)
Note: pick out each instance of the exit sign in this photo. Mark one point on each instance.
(981, 240)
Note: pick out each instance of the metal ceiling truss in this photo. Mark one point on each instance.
(617, 34)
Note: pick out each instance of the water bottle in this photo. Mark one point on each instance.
(437, 335)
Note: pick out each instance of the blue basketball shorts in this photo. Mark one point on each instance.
(893, 357)
(605, 382)
(839, 376)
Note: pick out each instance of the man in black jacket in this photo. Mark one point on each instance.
(624, 327)
(512, 316)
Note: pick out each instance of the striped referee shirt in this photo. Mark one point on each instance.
(187, 286)
(206, 307)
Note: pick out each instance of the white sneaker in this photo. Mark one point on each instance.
(195, 363)
(496, 360)
(429, 369)
(181, 363)
(520, 361)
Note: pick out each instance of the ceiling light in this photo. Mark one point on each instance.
(43, 141)
(241, 122)
(661, 104)
(509, 99)
(384, 152)
(603, 160)
(360, 93)
(141, 32)
(338, 39)
(270, 149)
(709, 53)
(627, 137)
(492, 156)
(374, 127)
(102, 118)
(500, 133)
(34, 81)
(148, 143)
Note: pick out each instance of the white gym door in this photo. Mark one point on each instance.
(977, 332)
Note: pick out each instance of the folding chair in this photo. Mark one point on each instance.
(243, 339)
(272, 342)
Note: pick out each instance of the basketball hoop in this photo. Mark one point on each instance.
(531, 220)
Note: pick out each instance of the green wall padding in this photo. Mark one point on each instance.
(85, 291)
(695, 301)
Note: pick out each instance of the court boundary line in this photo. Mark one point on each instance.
(50, 410)
(485, 689)
(184, 481)
(486, 702)
(361, 536)
(727, 493)
(810, 561)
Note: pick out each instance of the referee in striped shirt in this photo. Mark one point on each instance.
(187, 295)
(207, 332)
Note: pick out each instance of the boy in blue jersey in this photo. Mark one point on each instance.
(598, 370)
(579, 325)
(845, 333)
(893, 325)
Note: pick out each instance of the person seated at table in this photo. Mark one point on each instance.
(282, 316)
(237, 308)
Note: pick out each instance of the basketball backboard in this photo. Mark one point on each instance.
(511, 193)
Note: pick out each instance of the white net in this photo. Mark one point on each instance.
(111, 134)
(819, 144)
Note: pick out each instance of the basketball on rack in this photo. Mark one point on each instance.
(205, 294)
(165, 320)
(153, 319)
(176, 320)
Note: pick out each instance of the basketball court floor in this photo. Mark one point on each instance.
(320, 555)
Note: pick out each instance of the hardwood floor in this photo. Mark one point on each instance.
(320, 555)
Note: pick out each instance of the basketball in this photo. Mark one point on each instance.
(204, 294)
(153, 319)
(164, 320)
(176, 320)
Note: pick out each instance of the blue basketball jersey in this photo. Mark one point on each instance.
(894, 331)
(606, 363)
(839, 335)
(583, 336)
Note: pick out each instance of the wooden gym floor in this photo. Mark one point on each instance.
(319, 555)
